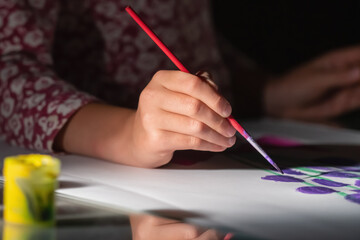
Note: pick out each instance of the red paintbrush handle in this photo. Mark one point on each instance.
(238, 127)
(156, 39)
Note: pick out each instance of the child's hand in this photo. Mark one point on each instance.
(323, 88)
(179, 111)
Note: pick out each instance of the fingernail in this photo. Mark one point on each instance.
(231, 131)
(355, 73)
(228, 236)
(227, 109)
(232, 140)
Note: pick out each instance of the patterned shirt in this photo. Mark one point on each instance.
(58, 55)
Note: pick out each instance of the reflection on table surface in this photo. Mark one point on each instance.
(80, 220)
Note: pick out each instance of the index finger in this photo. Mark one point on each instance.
(195, 87)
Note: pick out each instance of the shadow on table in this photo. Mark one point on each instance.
(243, 156)
(66, 184)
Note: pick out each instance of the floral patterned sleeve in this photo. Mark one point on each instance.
(34, 102)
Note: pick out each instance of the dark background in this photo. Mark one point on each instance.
(279, 35)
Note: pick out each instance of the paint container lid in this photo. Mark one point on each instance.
(30, 165)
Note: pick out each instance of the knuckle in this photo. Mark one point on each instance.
(191, 232)
(194, 106)
(147, 94)
(159, 75)
(196, 126)
(155, 139)
(147, 120)
(194, 142)
(193, 83)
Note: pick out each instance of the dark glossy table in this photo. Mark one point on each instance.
(80, 220)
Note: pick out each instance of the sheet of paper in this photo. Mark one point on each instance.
(237, 191)
(236, 196)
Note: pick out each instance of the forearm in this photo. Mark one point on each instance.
(100, 131)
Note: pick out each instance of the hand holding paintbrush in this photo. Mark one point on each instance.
(214, 105)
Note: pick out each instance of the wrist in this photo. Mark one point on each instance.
(100, 131)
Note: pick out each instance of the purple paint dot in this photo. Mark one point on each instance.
(357, 183)
(278, 178)
(355, 198)
(329, 183)
(292, 172)
(336, 161)
(341, 174)
(315, 190)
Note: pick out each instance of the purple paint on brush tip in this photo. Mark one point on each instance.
(355, 198)
(292, 172)
(279, 178)
(329, 183)
(315, 190)
(357, 183)
(341, 174)
(279, 170)
(273, 164)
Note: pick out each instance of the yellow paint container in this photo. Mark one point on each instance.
(29, 190)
